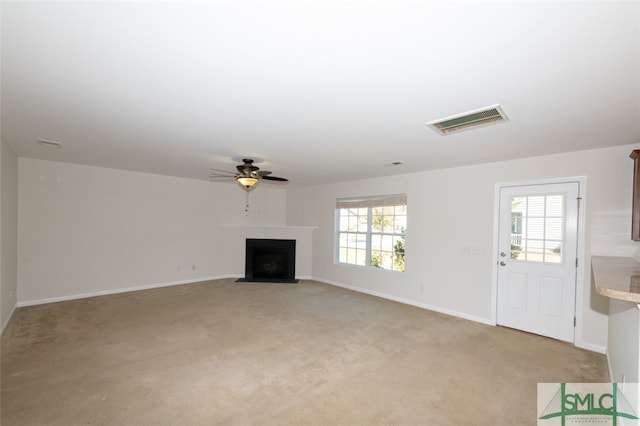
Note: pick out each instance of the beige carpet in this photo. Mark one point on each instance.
(225, 353)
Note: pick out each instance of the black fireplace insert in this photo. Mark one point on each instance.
(269, 260)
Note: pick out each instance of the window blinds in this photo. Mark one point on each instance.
(375, 201)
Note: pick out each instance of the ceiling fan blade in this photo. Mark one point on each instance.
(223, 171)
(222, 176)
(245, 170)
(279, 179)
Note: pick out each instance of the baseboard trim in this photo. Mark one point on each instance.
(582, 345)
(591, 347)
(611, 378)
(118, 290)
(6, 323)
(438, 309)
(588, 346)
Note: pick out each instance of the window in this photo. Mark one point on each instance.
(537, 235)
(370, 231)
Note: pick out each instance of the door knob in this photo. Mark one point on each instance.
(503, 263)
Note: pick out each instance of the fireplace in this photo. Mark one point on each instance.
(268, 260)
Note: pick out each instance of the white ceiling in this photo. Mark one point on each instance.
(320, 91)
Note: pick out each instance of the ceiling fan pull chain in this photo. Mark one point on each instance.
(246, 208)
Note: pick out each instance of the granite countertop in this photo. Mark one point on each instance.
(617, 277)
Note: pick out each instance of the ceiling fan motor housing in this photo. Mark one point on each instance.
(249, 175)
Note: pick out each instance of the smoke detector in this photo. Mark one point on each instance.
(477, 118)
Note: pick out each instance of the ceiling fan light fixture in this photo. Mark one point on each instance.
(247, 181)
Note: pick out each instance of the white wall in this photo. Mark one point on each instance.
(624, 341)
(449, 260)
(623, 349)
(8, 232)
(85, 230)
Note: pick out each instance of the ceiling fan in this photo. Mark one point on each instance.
(247, 175)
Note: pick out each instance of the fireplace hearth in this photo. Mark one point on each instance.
(270, 260)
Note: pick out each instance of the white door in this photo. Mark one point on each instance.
(538, 238)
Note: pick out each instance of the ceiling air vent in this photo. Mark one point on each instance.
(49, 144)
(480, 117)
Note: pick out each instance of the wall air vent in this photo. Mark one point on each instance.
(480, 117)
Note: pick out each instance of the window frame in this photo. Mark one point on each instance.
(370, 203)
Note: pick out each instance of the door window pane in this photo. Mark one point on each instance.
(555, 206)
(554, 249)
(537, 228)
(535, 206)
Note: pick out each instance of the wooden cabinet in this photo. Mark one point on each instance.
(635, 208)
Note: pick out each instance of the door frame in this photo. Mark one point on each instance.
(580, 249)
